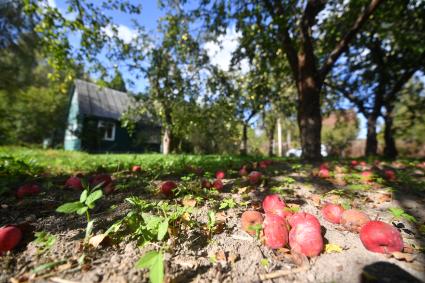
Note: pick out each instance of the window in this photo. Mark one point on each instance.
(107, 130)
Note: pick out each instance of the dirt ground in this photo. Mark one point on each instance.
(231, 255)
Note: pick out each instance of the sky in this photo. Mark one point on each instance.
(220, 54)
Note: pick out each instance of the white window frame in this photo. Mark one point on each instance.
(102, 124)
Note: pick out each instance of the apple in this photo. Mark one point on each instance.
(354, 163)
(206, 184)
(380, 237)
(390, 175)
(273, 204)
(10, 236)
(303, 217)
(263, 164)
(220, 174)
(218, 185)
(275, 231)
(332, 212)
(250, 218)
(306, 238)
(324, 166)
(324, 173)
(354, 219)
(136, 168)
(27, 190)
(255, 177)
(243, 171)
(167, 187)
(366, 176)
(74, 182)
(363, 164)
(105, 180)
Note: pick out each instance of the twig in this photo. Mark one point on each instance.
(281, 273)
(60, 280)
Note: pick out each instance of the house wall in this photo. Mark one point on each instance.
(93, 142)
(72, 140)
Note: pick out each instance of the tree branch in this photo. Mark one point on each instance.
(343, 44)
(352, 98)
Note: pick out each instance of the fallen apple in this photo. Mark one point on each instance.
(366, 176)
(255, 177)
(220, 174)
(302, 218)
(243, 171)
(324, 173)
(10, 236)
(275, 231)
(74, 182)
(380, 237)
(249, 220)
(218, 185)
(206, 184)
(27, 190)
(263, 164)
(167, 187)
(103, 180)
(354, 163)
(324, 166)
(354, 219)
(332, 213)
(136, 168)
(390, 175)
(306, 238)
(273, 204)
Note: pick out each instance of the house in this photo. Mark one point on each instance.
(93, 123)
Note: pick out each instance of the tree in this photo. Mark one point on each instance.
(300, 35)
(381, 61)
(117, 82)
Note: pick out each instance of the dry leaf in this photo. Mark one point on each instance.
(299, 259)
(316, 199)
(243, 190)
(220, 217)
(189, 202)
(95, 241)
(403, 256)
(332, 248)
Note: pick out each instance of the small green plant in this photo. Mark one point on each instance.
(257, 228)
(400, 213)
(87, 201)
(44, 241)
(227, 203)
(288, 181)
(154, 261)
(264, 262)
(211, 224)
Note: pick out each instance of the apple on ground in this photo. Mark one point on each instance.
(206, 184)
(390, 175)
(332, 212)
(10, 236)
(275, 231)
(136, 168)
(380, 237)
(354, 219)
(220, 174)
(105, 180)
(218, 185)
(27, 190)
(324, 173)
(167, 187)
(263, 164)
(367, 176)
(74, 182)
(306, 238)
(243, 171)
(273, 204)
(255, 177)
(249, 219)
(303, 217)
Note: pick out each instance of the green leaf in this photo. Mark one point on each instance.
(156, 274)
(70, 207)
(162, 229)
(147, 260)
(89, 230)
(82, 210)
(83, 196)
(93, 197)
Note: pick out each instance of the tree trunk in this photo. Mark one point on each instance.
(279, 137)
(244, 145)
(271, 138)
(390, 149)
(371, 140)
(309, 115)
(168, 136)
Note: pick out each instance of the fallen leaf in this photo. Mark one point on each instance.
(243, 190)
(299, 259)
(95, 241)
(316, 199)
(332, 248)
(403, 256)
(189, 202)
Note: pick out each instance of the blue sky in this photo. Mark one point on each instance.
(220, 55)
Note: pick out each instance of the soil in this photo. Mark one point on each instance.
(231, 255)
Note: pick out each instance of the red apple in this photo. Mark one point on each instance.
(218, 185)
(275, 231)
(303, 217)
(324, 173)
(206, 184)
(390, 175)
(10, 236)
(250, 218)
(27, 190)
(104, 179)
(220, 174)
(380, 237)
(354, 219)
(243, 171)
(273, 204)
(255, 177)
(263, 164)
(332, 213)
(363, 164)
(306, 238)
(324, 166)
(354, 163)
(167, 187)
(74, 182)
(136, 168)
